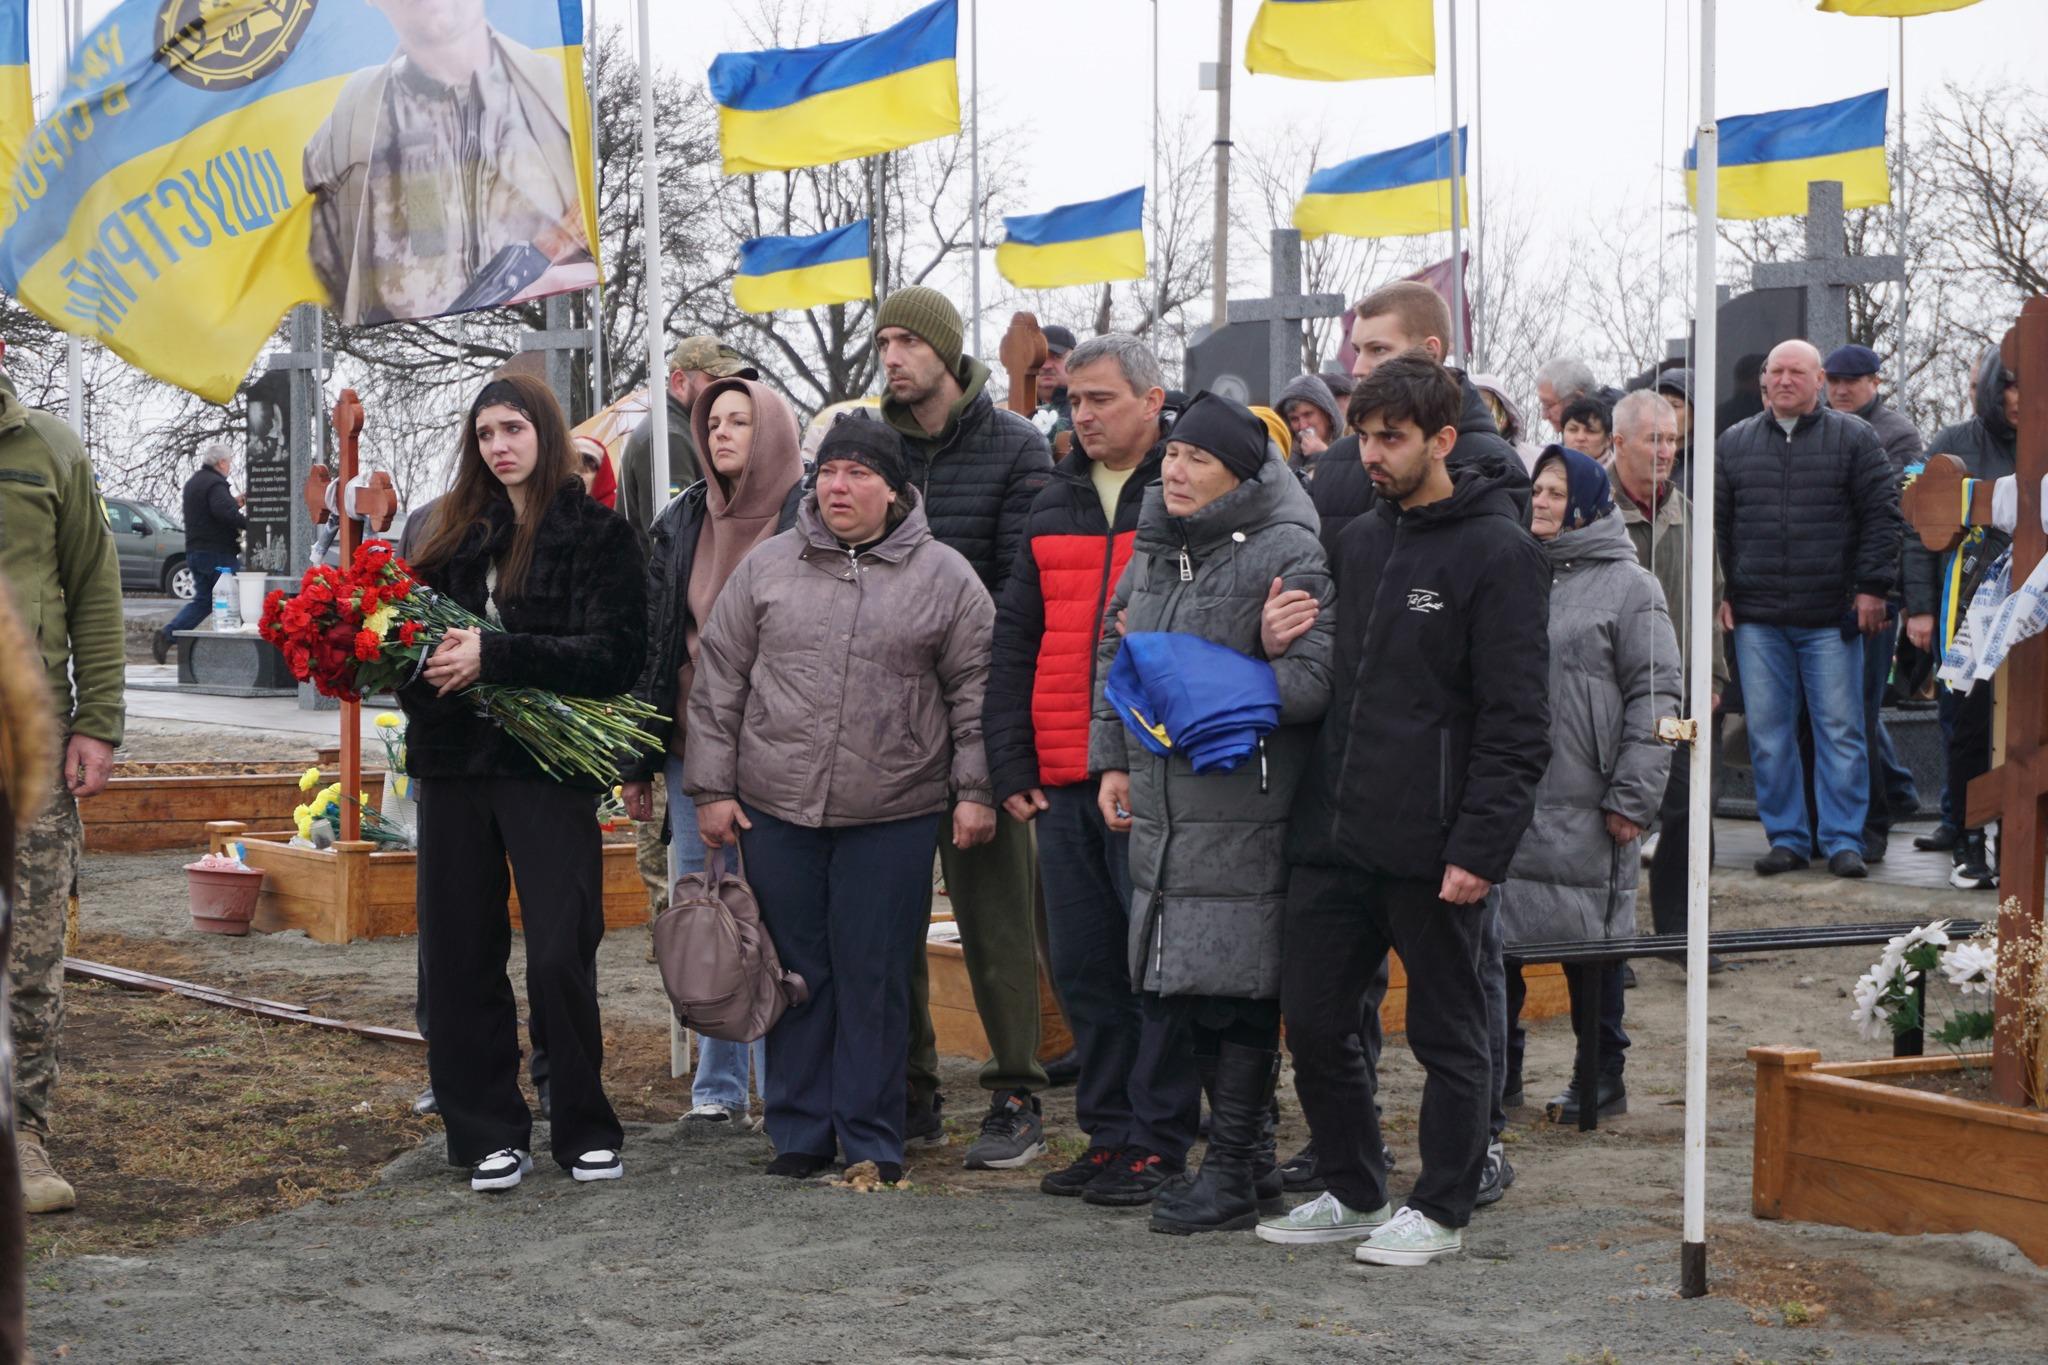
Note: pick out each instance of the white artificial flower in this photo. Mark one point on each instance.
(1871, 1018)
(1971, 966)
(1045, 419)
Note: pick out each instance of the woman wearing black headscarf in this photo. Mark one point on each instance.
(1613, 675)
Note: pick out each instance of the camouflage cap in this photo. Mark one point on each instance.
(708, 354)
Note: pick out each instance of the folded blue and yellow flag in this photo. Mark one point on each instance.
(1386, 194)
(1342, 40)
(17, 95)
(1089, 243)
(806, 106)
(778, 273)
(214, 162)
(1767, 159)
(1893, 9)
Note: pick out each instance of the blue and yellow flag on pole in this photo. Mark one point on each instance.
(807, 106)
(17, 95)
(213, 162)
(1893, 9)
(1767, 159)
(1089, 243)
(1342, 40)
(1386, 194)
(778, 273)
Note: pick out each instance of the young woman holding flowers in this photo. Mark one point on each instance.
(519, 542)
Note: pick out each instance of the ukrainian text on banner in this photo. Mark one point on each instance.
(17, 96)
(1342, 40)
(213, 162)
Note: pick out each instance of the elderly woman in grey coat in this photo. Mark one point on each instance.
(1226, 550)
(1613, 675)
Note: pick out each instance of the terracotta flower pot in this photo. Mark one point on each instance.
(223, 899)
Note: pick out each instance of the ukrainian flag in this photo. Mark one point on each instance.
(778, 273)
(1893, 9)
(1386, 194)
(1089, 243)
(1767, 159)
(806, 106)
(1342, 40)
(17, 96)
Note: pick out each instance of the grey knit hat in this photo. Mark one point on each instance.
(925, 313)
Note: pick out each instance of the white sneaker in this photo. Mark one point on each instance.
(1411, 1238)
(711, 1112)
(501, 1170)
(602, 1164)
(1322, 1219)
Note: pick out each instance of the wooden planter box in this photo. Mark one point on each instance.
(1836, 1145)
(148, 807)
(351, 891)
(1547, 997)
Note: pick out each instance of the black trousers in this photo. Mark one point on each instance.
(467, 829)
(1577, 980)
(1668, 887)
(1339, 927)
(1138, 1085)
(1969, 745)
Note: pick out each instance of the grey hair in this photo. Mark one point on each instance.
(1568, 376)
(1133, 357)
(1632, 412)
(213, 452)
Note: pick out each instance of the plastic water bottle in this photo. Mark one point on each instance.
(226, 616)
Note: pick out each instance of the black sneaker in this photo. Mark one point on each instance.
(1070, 1180)
(160, 647)
(1131, 1179)
(890, 1172)
(1848, 863)
(798, 1165)
(1012, 1134)
(1943, 838)
(924, 1124)
(1612, 1098)
(1876, 843)
(1779, 860)
(500, 1170)
(1511, 1096)
(1063, 1070)
(1972, 870)
(1628, 977)
(602, 1164)
(1495, 1176)
(1299, 1175)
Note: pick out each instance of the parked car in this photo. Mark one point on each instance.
(151, 546)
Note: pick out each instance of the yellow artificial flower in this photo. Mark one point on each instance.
(303, 818)
(309, 779)
(388, 720)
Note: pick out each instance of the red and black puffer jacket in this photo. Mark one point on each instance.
(1041, 681)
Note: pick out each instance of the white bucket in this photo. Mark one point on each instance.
(249, 585)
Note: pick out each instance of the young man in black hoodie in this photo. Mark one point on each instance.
(1422, 784)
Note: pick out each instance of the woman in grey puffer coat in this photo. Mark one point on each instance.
(1209, 876)
(1613, 675)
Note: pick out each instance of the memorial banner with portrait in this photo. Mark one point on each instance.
(213, 162)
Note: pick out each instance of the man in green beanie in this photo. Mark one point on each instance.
(977, 467)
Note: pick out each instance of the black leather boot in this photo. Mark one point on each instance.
(1267, 1181)
(1224, 1196)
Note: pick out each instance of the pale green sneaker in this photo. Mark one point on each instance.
(1411, 1238)
(1322, 1219)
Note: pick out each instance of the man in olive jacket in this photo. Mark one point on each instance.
(58, 556)
(976, 467)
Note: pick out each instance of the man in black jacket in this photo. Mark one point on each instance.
(977, 468)
(1988, 446)
(1423, 781)
(1392, 320)
(214, 522)
(1807, 520)
(1137, 1097)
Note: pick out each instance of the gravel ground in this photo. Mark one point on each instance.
(1578, 1263)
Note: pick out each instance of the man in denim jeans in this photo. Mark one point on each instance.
(1808, 527)
(214, 522)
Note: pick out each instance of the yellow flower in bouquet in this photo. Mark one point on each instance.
(389, 720)
(309, 779)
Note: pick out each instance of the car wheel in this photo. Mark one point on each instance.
(178, 581)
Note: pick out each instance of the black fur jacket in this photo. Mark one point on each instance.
(579, 628)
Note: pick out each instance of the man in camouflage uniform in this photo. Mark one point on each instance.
(445, 179)
(58, 557)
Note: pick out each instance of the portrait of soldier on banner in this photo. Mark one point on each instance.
(445, 178)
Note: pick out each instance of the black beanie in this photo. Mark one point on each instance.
(854, 436)
(1226, 430)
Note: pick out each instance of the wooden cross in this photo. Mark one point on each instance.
(2016, 792)
(348, 427)
(1023, 352)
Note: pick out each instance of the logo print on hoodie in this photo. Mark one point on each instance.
(1424, 599)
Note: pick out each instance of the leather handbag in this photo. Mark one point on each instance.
(717, 962)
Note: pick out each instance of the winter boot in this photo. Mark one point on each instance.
(42, 1189)
(1266, 1178)
(1223, 1197)
(1973, 869)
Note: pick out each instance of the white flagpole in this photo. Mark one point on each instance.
(1460, 342)
(1706, 322)
(974, 160)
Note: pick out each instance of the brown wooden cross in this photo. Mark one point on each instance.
(2016, 792)
(1023, 352)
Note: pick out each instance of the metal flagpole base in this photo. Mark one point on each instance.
(1692, 1270)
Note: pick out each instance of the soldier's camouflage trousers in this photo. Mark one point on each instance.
(46, 867)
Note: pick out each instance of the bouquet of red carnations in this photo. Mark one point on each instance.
(371, 627)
